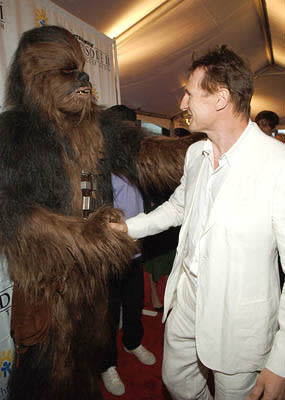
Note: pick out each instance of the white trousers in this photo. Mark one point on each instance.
(183, 373)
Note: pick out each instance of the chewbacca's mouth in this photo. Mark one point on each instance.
(83, 91)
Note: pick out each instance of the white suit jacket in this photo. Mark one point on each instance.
(240, 316)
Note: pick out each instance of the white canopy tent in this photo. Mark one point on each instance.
(156, 39)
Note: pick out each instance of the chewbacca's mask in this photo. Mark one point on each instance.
(48, 67)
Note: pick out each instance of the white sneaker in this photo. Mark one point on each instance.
(143, 355)
(112, 382)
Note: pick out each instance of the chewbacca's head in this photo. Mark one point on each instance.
(47, 73)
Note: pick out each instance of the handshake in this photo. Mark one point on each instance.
(119, 226)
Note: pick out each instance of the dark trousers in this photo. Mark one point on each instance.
(128, 292)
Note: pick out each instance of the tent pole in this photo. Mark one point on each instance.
(117, 80)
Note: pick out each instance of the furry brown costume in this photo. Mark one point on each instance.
(51, 132)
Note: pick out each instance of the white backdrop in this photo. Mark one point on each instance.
(17, 16)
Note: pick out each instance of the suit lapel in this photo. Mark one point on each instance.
(192, 186)
(195, 176)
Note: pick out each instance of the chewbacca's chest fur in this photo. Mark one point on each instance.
(82, 154)
(87, 153)
(48, 161)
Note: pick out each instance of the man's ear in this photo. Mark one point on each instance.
(223, 98)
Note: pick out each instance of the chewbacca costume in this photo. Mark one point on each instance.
(58, 148)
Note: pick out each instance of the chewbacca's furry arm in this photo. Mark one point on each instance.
(48, 247)
(154, 163)
(161, 160)
(122, 145)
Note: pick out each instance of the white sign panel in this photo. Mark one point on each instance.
(17, 16)
(6, 342)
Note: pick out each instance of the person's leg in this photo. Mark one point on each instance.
(132, 303)
(183, 374)
(234, 387)
(113, 318)
(156, 303)
(110, 376)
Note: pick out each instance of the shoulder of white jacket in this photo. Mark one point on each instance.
(196, 148)
(269, 142)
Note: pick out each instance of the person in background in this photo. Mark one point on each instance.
(267, 121)
(128, 291)
(227, 314)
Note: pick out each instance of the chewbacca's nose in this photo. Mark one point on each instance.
(83, 77)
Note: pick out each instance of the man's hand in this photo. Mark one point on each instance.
(269, 386)
(119, 226)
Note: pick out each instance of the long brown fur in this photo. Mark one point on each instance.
(60, 262)
(161, 173)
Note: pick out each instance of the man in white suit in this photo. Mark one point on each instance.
(227, 314)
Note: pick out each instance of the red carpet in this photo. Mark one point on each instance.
(143, 382)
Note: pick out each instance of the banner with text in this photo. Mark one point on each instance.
(6, 342)
(17, 16)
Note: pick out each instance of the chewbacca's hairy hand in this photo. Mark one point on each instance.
(116, 247)
(102, 217)
(68, 245)
(110, 214)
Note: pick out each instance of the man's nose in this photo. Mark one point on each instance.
(184, 102)
(83, 77)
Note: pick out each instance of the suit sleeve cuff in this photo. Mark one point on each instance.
(137, 226)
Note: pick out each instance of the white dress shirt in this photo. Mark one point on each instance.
(211, 181)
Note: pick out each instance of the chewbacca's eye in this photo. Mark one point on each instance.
(67, 71)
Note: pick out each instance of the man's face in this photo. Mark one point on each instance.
(200, 104)
(263, 124)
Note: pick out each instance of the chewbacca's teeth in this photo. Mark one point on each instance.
(84, 91)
